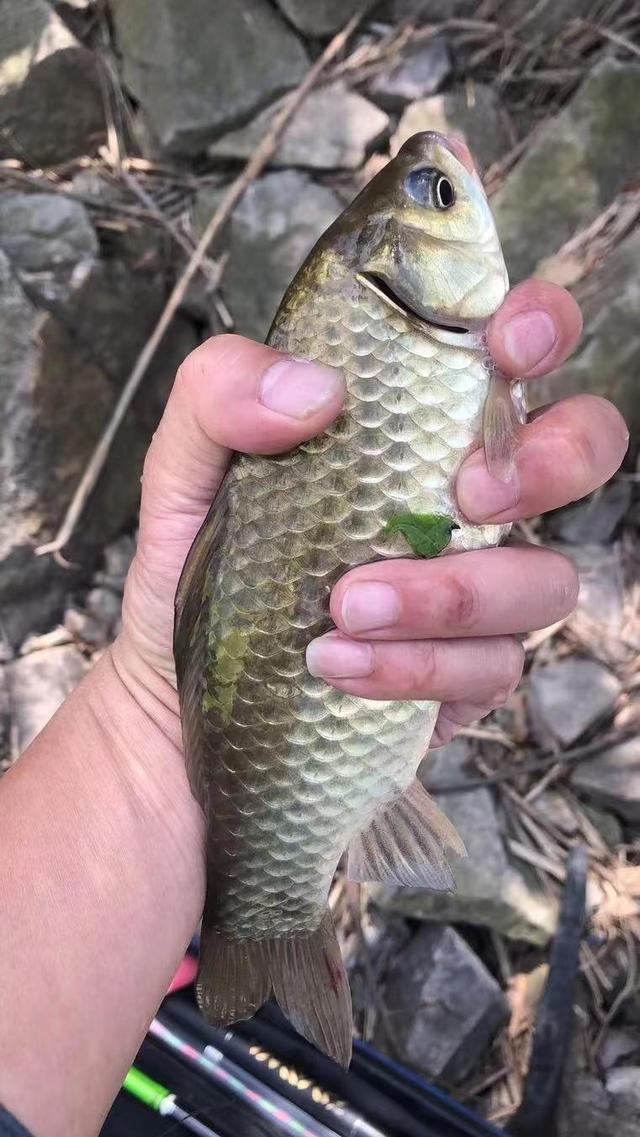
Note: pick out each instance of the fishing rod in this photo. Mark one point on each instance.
(159, 1099)
(283, 1115)
(290, 1084)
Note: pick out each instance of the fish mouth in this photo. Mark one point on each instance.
(427, 320)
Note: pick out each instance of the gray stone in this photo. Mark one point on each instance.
(612, 779)
(606, 823)
(618, 1043)
(38, 684)
(104, 605)
(273, 228)
(490, 891)
(51, 105)
(424, 11)
(50, 242)
(598, 619)
(68, 338)
(623, 1084)
(594, 520)
(572, 168)
(85, 630)
(118, 556)
(419, 72)
(607, 359)
(556, 809)
(321, 17)
(333, 129)
(585, 1111)
(566, 698)
(475, 113)
(197, 68)
(443, 1005)
(5, 721)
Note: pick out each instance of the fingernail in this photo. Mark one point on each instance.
(480, 496)
(298, 388)
(330, 657)
(528, 339)
(370, 605)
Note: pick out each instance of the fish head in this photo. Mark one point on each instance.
(422, 234)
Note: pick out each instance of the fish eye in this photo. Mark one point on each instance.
(430, 187)
(445, 196)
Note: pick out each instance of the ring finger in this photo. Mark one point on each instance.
(484, 670)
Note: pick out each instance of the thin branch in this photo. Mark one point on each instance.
(235, 192)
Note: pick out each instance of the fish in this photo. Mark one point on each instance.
(290, 772)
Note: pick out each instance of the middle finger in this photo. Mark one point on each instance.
(469, 594)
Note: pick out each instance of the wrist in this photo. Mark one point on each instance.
(102, 846)
(138, 720)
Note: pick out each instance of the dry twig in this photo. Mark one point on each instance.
(235, 192)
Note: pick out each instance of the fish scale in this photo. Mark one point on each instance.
(296, 769)
(368, 751)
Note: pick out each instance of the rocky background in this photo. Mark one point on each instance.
(121, 124)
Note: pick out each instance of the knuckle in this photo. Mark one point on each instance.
(423, 673)
(462, 601)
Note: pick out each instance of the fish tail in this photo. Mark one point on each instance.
(305, 974)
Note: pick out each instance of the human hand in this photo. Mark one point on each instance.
(406, 629)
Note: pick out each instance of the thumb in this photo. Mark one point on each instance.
(229, 394)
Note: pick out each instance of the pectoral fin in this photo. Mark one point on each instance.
(500, 428)
(404, 844)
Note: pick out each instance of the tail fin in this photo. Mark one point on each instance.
(305, 973)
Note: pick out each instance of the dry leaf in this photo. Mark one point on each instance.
(524, 994)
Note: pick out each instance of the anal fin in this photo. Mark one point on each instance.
(404, 844)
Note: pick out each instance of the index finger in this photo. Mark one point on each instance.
(534, 330)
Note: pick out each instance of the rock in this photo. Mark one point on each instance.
(475, 113)
(275, 225)
(598, 619)
(93, 626)
(585, 1111)
(5, 721)
(424, 11)
(594, 520)
(612, 779)
(418, 72)
(50, 242)
(104, 605)
(444, 1006)
(85, 630)
(490, 891)
(556, 809)
(38, 684)
(42, 65)
(618, 1044)
(118, 556)
(567, 698)
(197, 68)
(623, 1084)
(572, 168)
(608, 356)
(606, 823)
(68, 339)
(332, 130)
(321, 17)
